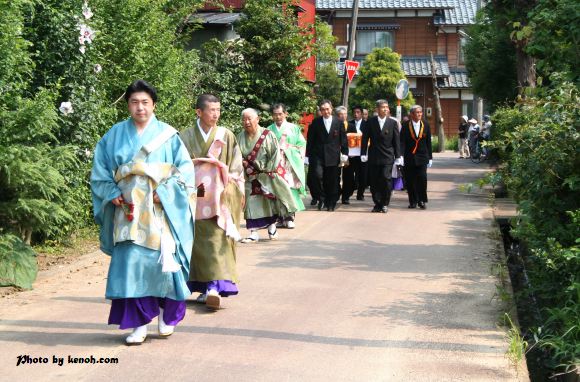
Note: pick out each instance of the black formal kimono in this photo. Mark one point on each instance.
(323, 150)
(384, 149)
(417, 152)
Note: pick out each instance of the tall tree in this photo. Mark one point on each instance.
(514, 15)
(378, 79)
(261, 66)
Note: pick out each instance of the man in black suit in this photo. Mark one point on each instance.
(354, 176)
(383, 153)
(326, 147)
(418, 155)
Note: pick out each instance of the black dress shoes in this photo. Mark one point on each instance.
(345, 202)
(377, 209)
(422, 205)
(412, 206)
(360, 197)
(313, 202)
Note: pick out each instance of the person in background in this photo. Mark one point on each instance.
(354, 177)
(292, 147)
(143, 190)
(382, 154)
(326, 147)
(269, 199)
(342, 115)
(462, 138)
(417, 157)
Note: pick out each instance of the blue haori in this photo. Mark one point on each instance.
(135, 312)
(225, 288)
(253, 224)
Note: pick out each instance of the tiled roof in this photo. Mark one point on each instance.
(386, 4)
(457, 79)
(462, 14)
(455, 12)
(221, 18)
(420, 66)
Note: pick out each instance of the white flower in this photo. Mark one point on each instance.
(87, 11)
(98, 68)
(87, 153)
(81, 40)
(87, 33)
(82, 49)
(66, 108)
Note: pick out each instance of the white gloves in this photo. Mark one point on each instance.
(343, 158)
(305, 160)
(364, 158)
(399, 161)
(430, 163)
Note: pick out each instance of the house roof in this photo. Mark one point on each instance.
(458, 79)
(218, 18)
(462, 14)
(420, 66)
(455, 12)
(386, 4)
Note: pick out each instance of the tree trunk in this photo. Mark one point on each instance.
(438, 112)
(526, 67)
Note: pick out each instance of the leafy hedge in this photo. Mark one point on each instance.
(538, 140)
(63, 71)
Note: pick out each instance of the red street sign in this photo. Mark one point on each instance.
(351, 68)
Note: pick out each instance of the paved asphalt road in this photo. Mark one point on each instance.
(347, 296)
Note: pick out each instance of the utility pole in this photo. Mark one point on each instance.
(349, 52)
(438, 112)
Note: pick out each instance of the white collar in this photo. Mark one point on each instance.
(204, 135)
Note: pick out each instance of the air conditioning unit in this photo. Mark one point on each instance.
(342, 50)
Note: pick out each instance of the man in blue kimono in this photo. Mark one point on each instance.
(144, 197)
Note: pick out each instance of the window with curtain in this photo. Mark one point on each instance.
(366, 41)
(462, 44)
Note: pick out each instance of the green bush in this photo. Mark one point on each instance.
(538, 141)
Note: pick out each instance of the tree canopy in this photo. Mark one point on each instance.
(378, 79)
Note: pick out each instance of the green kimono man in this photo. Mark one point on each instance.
(292, 147)
(220, 197)
(269, 199)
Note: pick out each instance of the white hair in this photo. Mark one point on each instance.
(416, 107)
(250, 110)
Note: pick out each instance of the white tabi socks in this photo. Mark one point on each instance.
(164, 329)
(272, 231)
(138, 336)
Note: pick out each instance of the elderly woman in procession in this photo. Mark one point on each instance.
(144, 198)
(269, 199)
(292, 147)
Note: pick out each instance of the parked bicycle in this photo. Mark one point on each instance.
(477, 153)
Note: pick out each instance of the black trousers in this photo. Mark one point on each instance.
(311, 183)
(416, 183)
(381, 184)
(324, 183)
(354, 177)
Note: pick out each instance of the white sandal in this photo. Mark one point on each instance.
(253, 238)
(213, 301)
